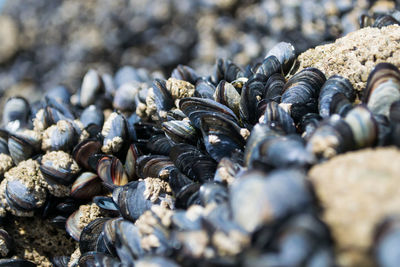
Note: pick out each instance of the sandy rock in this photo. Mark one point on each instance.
(354, 55)
(357, 190)
(9, 38)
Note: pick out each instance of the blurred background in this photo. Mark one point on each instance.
(49, 42)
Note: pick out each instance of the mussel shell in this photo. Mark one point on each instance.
(192, 162)
(183, 197)
(7, 243)
(159, 144)
(127, 242)
(185, 73)
(274, 113)
(130, 161)
(111, 171)
(394, 113)
(16, 108)
(387, 237)
(63, 136)
(162, 97)
(16, 263)
(363, 126)
(109, 234)
(20, 197)
(92, 115)
(156, 261)
(331, 137)
(268, 198)
(88, 240)
(204, 89)
(20, 149)
(57, 176)
(71, 225)
(335, 84)
(273, 89)
(252, 93)
(131, 200)
(195, 107)
(114, 127)
(95, 258)
(269, 66)
(259, 134)
(92, 87)
(124, 98)
(227, 95)
(385, 20)
(84, 150)
(180, 131)
(212, 192)
(154, 166)
(86, 186)
(177, 180)
(285, 53)
(60, 261)
(383, 88)
(221, 136)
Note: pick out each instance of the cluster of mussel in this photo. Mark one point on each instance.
(192, 170)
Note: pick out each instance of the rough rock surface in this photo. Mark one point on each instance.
(354, 55)
(357, 190)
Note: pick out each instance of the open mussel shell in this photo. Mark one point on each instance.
(268, 198)
(111, 171)
(84, 150)
(192, 162)
(130, 161)
(221, 136)
(92, 115)
(334, 85)
(16, 109)
(180, 131)
(195, 108)
(383, 88)
(86, 186)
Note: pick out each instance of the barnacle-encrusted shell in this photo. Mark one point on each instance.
(179, 88)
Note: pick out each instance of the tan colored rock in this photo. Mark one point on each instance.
(357, 190)
(354, 55)
(9, 38)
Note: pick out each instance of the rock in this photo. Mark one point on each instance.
(9, 38)
(354, 55)
(357, 190)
